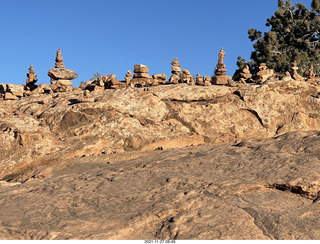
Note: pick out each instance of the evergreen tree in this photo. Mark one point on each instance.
(294, 35)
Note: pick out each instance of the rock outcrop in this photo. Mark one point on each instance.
(265, 189)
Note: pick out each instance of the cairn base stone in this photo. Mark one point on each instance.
(221, 80)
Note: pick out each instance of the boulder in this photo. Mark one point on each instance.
(10, 96)
(63, 74)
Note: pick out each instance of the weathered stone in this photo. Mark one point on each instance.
(128, 77)
(174, 79)
(10, 96)
(159, 77)
(63, 74)
(310, 75)
(141, 75)
(207, 81)
(15, 88)
(64, 83)
(294, 72)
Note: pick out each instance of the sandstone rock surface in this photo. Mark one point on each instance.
(259, 189)
(58, 145)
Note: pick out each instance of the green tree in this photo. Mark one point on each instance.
(294, 35)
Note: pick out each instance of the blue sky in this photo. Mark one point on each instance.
(110, 36)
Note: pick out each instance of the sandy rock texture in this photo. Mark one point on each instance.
(256, 189)
(39, 129)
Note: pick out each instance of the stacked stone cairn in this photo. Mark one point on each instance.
(203, 81)
(221, 77)
(264, 73)
(31, 80)
(60, 76)
(294, 72)
(245, 75)
(175, 71)
(310, 75)
(158, 79)
(186, 77)
(128, 77)
(207, 80)
(141, 78)
(199, 80)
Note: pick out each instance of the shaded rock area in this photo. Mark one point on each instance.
(259, 189)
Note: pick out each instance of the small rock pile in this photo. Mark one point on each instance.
(159, 79)
(186, 77)
(128, 77)
(294, 72)
(245, 75)
(310, 75)
(264, 73)
(60, 76)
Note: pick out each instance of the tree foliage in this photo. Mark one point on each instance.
(294, 35)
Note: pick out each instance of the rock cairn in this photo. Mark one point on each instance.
(294, 72)
(221, 77)
(186, 77)
(199, 80)
(264, 73)
(60, 76)
(31, 80)
(158, 79)
(207, 80)
(310, 75)
(175, 71)
(141, 77)
(245, 75)
(128, 77)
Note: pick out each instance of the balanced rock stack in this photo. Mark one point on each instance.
(141, 77)
(310, 75)
(294, 72)
(207, 80)
(175, 71)
(264, 73)
(245, 75)
(159, 79)
(128, 77)
(60, 76)
(221, 77)
(31, 80)
(186, 77)
(199, 80)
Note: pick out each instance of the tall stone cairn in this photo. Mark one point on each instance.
(175, 71)
(32, 79)
(221, 77)
(60, 76)
(59, 61)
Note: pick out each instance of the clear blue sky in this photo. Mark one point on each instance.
(110, 36)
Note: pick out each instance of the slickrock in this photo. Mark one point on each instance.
(263, 189)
